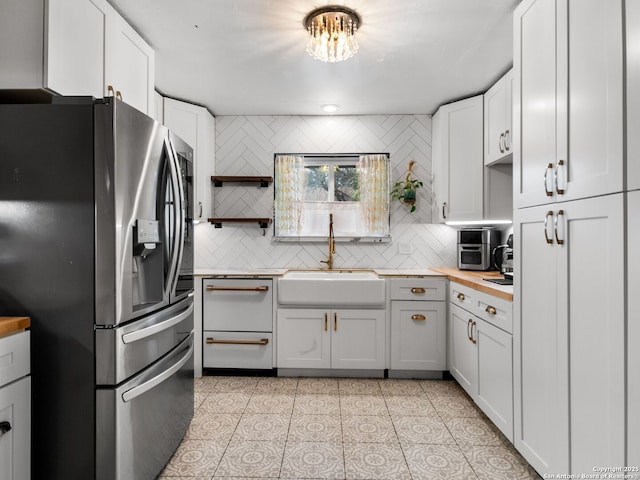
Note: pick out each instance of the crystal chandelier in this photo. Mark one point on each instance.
(332, 33)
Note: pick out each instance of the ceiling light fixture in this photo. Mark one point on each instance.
(332, 33)
(330, 108)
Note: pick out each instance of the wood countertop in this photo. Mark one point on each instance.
(13, 324)
(475, 280)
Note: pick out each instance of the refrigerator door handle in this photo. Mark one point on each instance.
(158, 379)
(177, 218)
(152, 330)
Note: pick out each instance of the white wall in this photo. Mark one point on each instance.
(246, 146)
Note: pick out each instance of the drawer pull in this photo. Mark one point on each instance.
(218, 288)
(418, 317)
(469, 327)
(473, 340)
(262, 341)
(417, 290)
(491, 310)
(460, 296)
(5, 427)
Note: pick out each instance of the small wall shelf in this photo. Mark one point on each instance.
(218, 180)
(217, 222)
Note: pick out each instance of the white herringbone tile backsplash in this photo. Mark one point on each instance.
(245, 145)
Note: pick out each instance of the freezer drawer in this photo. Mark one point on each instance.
(140, 423)
(15, 430)
(237, 350)
(238, 305)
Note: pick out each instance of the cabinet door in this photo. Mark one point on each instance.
(495, 375)
(418, 335)
(357, 339)
(540, 368)
(495, 121)
(591, 297)
(130, 66)
(304, 338)
(440, 167)
(75, 46)
(196, 126)
(463, 360)
(15, 445)
(632, 14)
(633, 329)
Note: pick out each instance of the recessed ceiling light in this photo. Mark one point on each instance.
(330, 108)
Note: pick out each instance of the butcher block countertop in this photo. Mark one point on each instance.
(13, 324)
(475, 280)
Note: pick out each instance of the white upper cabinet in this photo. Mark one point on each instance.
(498, 134)
(75, 47)
(196, 126)
(568, 98)
(632, 12)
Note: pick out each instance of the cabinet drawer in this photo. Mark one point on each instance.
(418, 288)
(238, 305)
(15, 444)
(14, 357)
(496, 311)
(237, 350)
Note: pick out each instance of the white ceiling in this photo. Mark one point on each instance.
(247, 57)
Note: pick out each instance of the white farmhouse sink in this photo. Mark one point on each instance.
(331, 288)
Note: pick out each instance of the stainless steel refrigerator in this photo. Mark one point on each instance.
(96, 246)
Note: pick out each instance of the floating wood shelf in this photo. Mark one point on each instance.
(219, 180)
(217, 222)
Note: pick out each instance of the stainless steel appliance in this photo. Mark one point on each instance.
(96, 242)
(503, 257)
(475, 246)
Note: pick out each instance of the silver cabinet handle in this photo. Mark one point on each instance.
(473, 340)
(546, 227)
(560, 169)
(469, 330)
(501, 143)
(548, 182)
(507, 140)
(559, 241)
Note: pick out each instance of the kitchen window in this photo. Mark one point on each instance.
(354, 188)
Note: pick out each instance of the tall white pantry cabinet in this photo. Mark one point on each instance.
(570, 352)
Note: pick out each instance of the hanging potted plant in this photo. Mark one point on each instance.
(405, 190)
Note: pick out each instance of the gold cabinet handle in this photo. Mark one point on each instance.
(335, 322)
(469, 330)
(262, 341)
(221, 288)
(559, 166)
(326, 321)
(110, 90)
(118, 94)
(546, 227)
(473, 340)
(417, 290)
(418, 317)
(460, 296)
(491, 310)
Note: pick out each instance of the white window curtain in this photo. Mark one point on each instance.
(290, 182)
(373, 172)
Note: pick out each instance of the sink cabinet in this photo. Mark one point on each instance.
(481, 351)
(322, 338)
(418, 324)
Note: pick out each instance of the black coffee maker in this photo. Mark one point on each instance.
(503, 257)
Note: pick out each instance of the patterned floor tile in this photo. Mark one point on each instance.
(363, 405)
(318, 385)
(441, 388)
(455, 407)
(204, 384)
(368, 428)
(195, 458)
(212, 426)
(437, 462)
(359, 386)
(315, 428)
(422, 430)
(309, 404)
(251, 459)
(262, 426)
(498, 463)
(412, 405)
(198, 398)
(270, 403)
(375, 461)
(313, 460)
(235, 384)
(287, 385)
(230, 402)
(400, 387)
(474, 431)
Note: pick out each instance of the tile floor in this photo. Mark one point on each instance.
(328, 428)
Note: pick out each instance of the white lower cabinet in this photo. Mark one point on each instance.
(633, 329)
(326, 338)
(481, 354)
